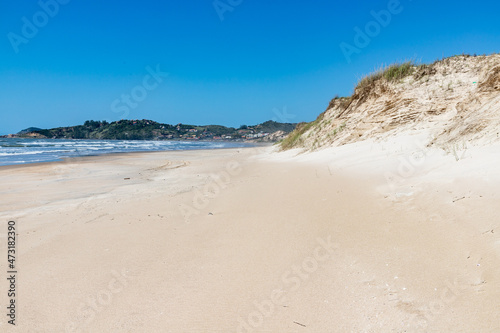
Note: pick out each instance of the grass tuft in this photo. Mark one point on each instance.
(492, 82)
(343, 102)
(394, 72)
(398, 72)
(295, 137)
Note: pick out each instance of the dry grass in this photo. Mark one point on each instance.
(424, 70)
(382, 83)
(295, 137)
(398, 72)
(492, 81)
(342, 102)
(391, 73)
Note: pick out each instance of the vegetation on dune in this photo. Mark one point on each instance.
(492, 81)
(394, 72)
(365, 88)
(343, 102)
(294, 138)
(391, 73)
(398, 71)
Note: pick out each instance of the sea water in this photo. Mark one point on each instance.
(21, 151)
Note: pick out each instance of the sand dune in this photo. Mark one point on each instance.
(455, 99)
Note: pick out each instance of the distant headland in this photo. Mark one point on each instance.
(144, 129)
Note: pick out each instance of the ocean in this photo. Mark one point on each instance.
(22, 151)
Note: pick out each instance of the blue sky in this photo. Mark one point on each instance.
(263, 60)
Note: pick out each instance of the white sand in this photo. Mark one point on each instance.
(317, 242)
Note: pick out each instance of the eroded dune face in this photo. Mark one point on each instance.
(455, 100)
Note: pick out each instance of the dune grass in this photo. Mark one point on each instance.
(398, 72)
(294, 138)
(391, 73)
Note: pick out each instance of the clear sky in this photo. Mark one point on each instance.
(229, 62)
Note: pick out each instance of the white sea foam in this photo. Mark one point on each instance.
(45, 150)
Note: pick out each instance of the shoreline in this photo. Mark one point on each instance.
(120, 154)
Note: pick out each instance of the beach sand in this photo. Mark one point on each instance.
(361, 238)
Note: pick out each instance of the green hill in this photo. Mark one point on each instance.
(152, 130)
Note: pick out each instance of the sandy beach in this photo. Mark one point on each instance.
(367, 237)
(235, 166)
